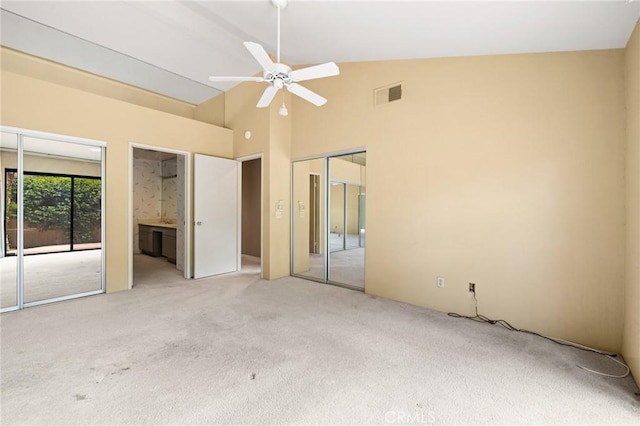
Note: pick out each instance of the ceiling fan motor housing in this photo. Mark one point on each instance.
(279, 76)
(280, 4)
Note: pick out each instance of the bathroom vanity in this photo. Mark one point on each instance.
(158, 238)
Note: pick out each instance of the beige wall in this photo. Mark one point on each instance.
(631, 340)
(300, 219)
(41, 69)
(210, 111)
(278, 182)
(506, 171)
(270, 137)
(35, 104)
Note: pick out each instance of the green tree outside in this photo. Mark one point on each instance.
(47, 204)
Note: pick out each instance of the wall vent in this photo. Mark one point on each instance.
(385, 95)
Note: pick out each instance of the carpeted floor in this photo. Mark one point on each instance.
(345, 267)
(238, 350)
(51, 275)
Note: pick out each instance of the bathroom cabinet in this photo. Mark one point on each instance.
(150, 241)
(169, 244)
(158, 240)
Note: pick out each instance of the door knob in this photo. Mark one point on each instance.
(198, 223)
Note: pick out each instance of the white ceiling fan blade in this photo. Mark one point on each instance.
(306, 94)
(227, 78)
(317, 71)
(267, 97)
(258, 52)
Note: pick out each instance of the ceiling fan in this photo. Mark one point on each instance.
(280, 75)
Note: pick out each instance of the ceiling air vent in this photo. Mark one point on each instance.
(387, 94)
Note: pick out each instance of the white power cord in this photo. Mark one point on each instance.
(609, 355)
(606, 374)
(505, 324)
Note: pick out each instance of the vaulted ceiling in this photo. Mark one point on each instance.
(171, 47)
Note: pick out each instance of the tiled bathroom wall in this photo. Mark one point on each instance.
(181, 220)
(147, 193)
(169, 189)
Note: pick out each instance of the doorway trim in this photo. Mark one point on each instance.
(242, 160)
(187, 208)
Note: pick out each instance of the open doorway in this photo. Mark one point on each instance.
(251, 224)
(159, 202)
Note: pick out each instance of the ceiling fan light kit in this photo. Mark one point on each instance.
(279, 75)
(283, 111)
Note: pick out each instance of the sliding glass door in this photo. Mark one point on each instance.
(53, 219)
(61, 213)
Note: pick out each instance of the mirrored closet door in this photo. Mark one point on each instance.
(328, 219)
(346, 229)
(52, 210)
(307, 219)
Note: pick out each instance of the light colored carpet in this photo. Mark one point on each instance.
(345, 267)
(338, 241)
(153, 270)
(239, 350)
(51, 275)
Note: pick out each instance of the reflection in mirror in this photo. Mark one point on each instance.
(8, 224)
(308, 215)
(346, 219)
(337, 236)
(62, 219)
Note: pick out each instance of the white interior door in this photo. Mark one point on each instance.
(215, 235)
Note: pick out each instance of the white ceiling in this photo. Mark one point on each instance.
(171, 47)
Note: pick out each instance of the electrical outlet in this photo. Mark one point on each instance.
(440, 282)
(472, 288)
